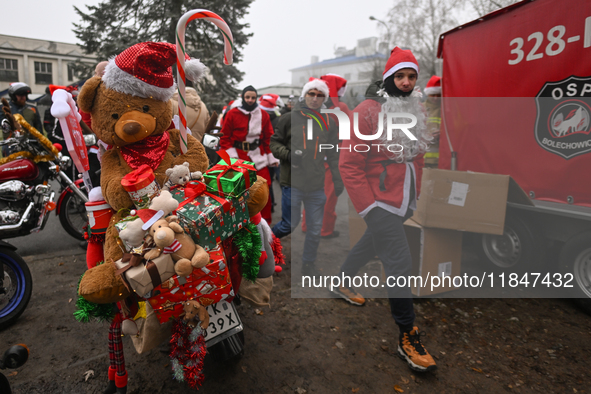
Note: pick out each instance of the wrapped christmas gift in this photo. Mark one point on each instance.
(230, 177)
(147, 275)
(208, 285)
(141, 185)
(208, 218)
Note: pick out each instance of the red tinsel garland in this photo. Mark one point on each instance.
(187, 354)
(277, 251)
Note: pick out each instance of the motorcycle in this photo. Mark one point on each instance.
(13, 358)
(26, 195)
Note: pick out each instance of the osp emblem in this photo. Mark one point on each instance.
(563, 122)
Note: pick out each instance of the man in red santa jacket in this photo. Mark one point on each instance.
(246, 134)
(383, 184)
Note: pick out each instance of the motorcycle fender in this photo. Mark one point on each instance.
(67, 190)
(4, 244)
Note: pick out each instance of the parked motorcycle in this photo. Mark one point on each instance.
(26, 195)
(13, 358)
(16, 285)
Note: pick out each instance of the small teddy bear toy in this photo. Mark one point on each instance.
(193, 309)
(180, 175)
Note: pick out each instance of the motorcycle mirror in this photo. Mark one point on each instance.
(5, 125)
(14, 357)
(90, 139)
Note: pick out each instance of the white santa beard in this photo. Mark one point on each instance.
(410, 148)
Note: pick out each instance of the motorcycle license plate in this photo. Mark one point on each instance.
(222, 318)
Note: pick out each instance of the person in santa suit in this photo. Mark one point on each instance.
(383, 184)
(246, 133)
(337, 86)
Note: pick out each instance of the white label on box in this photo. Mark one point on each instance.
(458, 194)
(444, 269)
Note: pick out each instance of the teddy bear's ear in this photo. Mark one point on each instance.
(88, 93)
(169, 171)
(186, 164)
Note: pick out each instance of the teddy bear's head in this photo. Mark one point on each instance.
(132, 234)
(179, 174)
(121, 119)
(131, 101)
(165, 202)
(162, 233)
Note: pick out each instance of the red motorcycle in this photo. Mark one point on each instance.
(26, 191)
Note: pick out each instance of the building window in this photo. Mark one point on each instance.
(70, 73)
(365, 75)
(8, 70)
(43, 73)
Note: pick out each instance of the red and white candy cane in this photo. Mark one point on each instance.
(180, 55)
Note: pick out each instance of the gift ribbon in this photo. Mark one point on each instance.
(143, 174)
(194, 189)
(238, 166)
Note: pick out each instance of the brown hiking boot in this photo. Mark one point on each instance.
(411, 350)
(350, 296)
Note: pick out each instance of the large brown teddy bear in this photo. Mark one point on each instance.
(132, 113)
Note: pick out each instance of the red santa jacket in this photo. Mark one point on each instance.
(361, 170)
(240, 126)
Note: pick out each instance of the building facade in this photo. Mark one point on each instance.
(38, 63)
(360, 66)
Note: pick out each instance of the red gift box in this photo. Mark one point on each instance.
(138, 179)
(208, 285)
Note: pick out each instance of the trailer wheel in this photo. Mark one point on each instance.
(518, 248)
(575, 257)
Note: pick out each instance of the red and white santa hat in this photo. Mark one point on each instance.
(433, 86)
(337, 85)
(318, 84)
(399, 59)
(149, 217)
(145, 70)
(270, 100)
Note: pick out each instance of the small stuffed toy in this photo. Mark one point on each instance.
(180, 175)
(169, 237)
(195, 311)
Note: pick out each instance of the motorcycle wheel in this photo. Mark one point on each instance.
(73, 215)
(17, 285)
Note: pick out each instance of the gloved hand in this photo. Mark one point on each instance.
(296, 160)
(338, 189)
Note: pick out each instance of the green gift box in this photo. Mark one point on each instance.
(209, 218)
(233, 179)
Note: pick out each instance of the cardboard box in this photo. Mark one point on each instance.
(434, 252)
(466, 201)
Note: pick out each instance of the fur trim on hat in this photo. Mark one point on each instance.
(433, 90)
(400, 66)
(122, 82)
(317, 84)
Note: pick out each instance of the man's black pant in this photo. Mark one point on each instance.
(385, 238)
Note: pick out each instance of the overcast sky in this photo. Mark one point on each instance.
(320, 25)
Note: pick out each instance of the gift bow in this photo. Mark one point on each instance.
(138, 174)
(194, 189)
(237, 166)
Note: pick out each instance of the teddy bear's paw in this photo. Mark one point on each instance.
(183, 267)
(200, 258)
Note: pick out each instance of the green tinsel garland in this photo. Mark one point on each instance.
(86, 310)
(248, 242)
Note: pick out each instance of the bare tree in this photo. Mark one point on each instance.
(483, 7)
(417, 24)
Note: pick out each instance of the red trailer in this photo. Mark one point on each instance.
(517, 100)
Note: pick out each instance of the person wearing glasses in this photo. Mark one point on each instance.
(302, 167)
